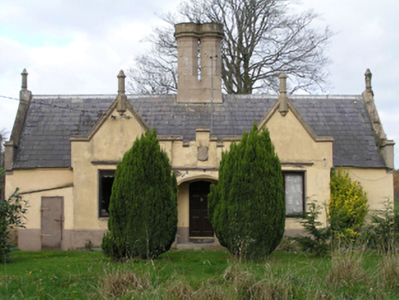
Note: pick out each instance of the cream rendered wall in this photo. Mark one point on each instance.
(108, 145)
(186, 156)
(183, 205)
(33, 182)
(377, 183)
(298, 151)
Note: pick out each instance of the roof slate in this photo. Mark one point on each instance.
(52, 120)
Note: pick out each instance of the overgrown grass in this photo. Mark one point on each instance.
(199, 275)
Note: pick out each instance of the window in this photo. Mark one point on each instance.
(294, 192)
(106, 179)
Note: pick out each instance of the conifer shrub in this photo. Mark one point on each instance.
(317, 236)
(247, 207)
(143, 204)
(347, 207)
(382, 232)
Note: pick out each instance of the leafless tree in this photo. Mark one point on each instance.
(262, 38)
(3, 135)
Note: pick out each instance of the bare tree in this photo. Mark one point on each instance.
(262, 38)
(3, 135)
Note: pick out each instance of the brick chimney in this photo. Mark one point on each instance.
(196, 86)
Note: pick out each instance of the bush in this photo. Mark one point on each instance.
(317, 238)
(143, 205)
(11, 216)
(247, 207)
(347, 207)
(383, 231)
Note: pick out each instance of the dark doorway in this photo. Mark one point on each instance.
(200, 226)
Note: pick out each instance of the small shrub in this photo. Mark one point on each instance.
(346, 269)
(11, 216)
(347, 207)
(382, 232)
(318, 236)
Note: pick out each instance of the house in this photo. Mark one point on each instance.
(64, 149)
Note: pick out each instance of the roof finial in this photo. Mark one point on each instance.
(368, 76)
(24, 85)
(282, 98)
(121, 98)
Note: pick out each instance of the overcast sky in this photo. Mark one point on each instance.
(78, 47)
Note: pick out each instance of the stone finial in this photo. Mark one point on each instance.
(121, 82)
(121, 98)
(24, 85)
(368, 77)
(282, 98)
(368, 98)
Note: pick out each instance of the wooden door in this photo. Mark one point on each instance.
(52, 222)
(200, 226)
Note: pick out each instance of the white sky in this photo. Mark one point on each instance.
(78, 47)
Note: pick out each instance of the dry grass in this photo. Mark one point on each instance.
(121, 282)
(179, 288)
(200, 275)
(346, 269)
(389, 267)
(272, 286)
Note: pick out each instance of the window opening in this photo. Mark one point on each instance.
(106, 179)
(199, 61)
(294, 192)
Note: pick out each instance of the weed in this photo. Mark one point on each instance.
(179, 288)
(346, 269)
(275, 286)
(122, 282)
(389, 266)
(288, 244)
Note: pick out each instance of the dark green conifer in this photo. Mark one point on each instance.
(247, 207)
(143, 205)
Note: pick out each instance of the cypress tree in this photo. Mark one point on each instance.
(247, 207)
(143, 205)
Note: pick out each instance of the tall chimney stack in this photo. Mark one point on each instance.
(206, 39)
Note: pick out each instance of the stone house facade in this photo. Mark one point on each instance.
(64, 149)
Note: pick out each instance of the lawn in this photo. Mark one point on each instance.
(198, 275)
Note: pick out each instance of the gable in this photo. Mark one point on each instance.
(112, 135)
(294, 140)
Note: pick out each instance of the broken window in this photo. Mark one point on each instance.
(294, 192)
(106, 179)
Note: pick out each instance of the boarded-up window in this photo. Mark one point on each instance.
(294, 192)
(106, 179)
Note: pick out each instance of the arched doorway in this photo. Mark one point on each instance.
(200, 225)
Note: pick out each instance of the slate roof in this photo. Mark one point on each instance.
(52, 120)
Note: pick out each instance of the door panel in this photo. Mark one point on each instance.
(52, 222)
(200, 226)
